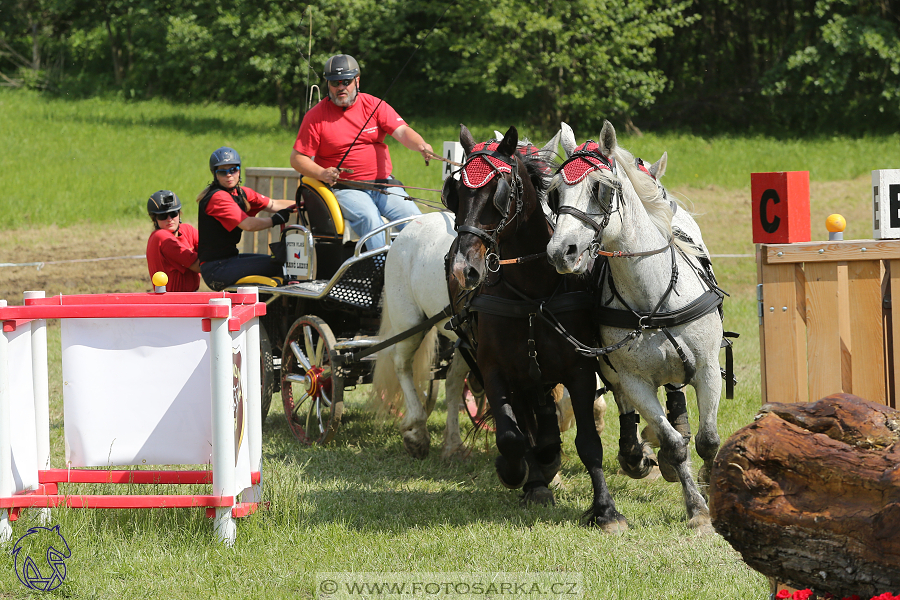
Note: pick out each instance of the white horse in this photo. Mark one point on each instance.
(655, 272)
(415, 289)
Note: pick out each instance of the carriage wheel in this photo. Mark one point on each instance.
(267, 372)
(477, 408)
(313, 395)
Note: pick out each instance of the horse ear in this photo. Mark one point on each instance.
(567, 139)
(607, 139)
(658, 169)
(466, 139)
(509, 143)
(552, 147)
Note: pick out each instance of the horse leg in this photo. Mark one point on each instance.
(456, 376)
(545, 458)
(511, 466)
(674, 450)
(676, 413)
(416, 439)
(635, 456)
(708, 385)
(603, 511)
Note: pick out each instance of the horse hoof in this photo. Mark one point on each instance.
(618, 526)
(551, 469)
(649, 436)
(459, 452)
(667, 469)
(501, 464)
(416, 446)
(557, 483)
(701, 524)
(642, 467)
(539, 496)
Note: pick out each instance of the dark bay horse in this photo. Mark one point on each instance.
(529, 318)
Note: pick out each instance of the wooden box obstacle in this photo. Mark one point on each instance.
(825, 320)
(148, 379)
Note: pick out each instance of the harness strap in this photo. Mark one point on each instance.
(508, 307)
(689, 369)
(707, 302)
(423, 326)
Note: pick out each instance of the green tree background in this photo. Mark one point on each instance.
(805, 66)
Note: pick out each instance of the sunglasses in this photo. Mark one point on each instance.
(229, 171)
(167, 216)
(340, 82)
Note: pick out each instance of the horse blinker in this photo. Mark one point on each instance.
(502, 196)
(449, 195)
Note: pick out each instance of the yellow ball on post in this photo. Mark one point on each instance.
(160, 279)
(835, 223)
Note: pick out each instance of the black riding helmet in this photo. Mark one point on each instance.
(341, 66)
(162, 202)
(223, 156)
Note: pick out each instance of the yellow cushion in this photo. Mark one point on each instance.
(330, 201)
(261, 280)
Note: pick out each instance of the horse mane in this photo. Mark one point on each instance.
(651, 195)
(539, 166)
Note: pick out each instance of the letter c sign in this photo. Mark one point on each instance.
(768, 226)
(780, 207)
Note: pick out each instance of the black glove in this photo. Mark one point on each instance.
(282, 216)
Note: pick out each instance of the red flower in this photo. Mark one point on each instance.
(853, 597)
(802, 594)
(783, 595)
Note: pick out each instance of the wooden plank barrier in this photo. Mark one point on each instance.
(825, 326)
(278, 184)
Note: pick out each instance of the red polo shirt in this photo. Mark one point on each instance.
(327, 131)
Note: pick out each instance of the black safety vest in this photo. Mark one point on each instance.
(216, 242)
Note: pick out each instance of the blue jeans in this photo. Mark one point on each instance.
(363, 210)
(219, 274)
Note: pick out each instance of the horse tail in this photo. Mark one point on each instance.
(385, 386)
(387, 395)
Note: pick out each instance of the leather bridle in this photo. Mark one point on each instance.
(504, 195)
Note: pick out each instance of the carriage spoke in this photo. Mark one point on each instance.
(299, 403)
(325, 399)
(320, 348)
(318, 406)
(301, 358)
(308, 342)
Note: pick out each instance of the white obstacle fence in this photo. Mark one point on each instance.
(148, 379)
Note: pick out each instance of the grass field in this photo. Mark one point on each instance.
(361, 504)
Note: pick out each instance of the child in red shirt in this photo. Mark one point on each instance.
(172, 247)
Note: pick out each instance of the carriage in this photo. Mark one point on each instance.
(319, 335)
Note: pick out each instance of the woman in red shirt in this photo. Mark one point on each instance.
(172, 247)
(226, 209)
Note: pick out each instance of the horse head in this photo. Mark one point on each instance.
(495, 189)
(585, 192)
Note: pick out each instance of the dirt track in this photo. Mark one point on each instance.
(724, 216)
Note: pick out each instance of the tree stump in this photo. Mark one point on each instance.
(810, 494)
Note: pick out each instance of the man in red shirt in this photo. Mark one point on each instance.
(350, 125)
(172, 247)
